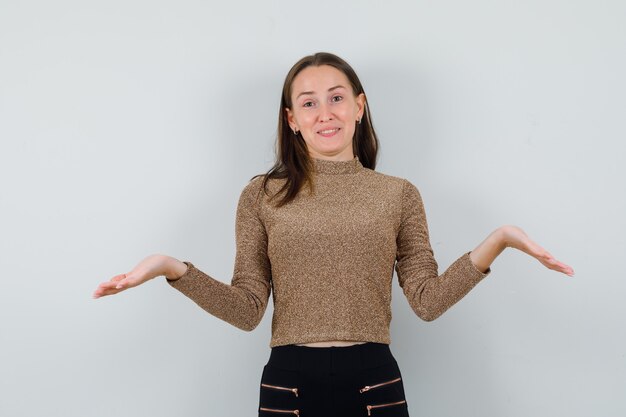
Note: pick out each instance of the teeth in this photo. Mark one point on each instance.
(325, 132)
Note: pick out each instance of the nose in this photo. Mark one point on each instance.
(325, 113)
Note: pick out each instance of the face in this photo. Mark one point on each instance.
(325, 111)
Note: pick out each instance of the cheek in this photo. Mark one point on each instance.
(348, 113)
(349, 129)
(306, 119)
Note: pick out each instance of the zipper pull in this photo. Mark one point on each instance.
(369, 410)
(365, 388)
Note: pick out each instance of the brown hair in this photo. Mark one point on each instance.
(292, 158)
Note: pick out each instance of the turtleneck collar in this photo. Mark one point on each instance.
(325, 166)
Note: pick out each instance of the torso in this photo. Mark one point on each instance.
(336, 244)
(330, 343)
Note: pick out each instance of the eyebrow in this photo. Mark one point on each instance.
(313, 92)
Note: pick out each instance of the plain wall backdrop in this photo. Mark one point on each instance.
(130, 128)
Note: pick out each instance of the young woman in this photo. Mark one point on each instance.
(322, 232)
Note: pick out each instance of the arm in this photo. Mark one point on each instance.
(429, 293)
(244, 301)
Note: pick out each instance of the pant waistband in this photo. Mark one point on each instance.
(330, 359)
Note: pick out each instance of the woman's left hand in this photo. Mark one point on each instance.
(514, 237)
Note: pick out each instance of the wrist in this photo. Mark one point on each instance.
(174, 269)
(488, 250)
(502, 236)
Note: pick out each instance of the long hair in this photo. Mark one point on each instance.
(293, 162)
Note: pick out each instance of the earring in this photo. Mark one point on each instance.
(358, 121)
(295, 132)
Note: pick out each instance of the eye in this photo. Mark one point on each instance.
(307, 104)
(337, 98)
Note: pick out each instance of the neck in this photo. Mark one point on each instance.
(327, 166)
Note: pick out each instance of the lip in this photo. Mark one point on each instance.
(335, 130)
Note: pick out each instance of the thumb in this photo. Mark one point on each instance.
(122, 282)
(129, 280)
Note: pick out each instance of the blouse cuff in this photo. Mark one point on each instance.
(184, 276)
(474, 268)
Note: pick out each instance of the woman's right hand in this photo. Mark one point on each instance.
(151, 267)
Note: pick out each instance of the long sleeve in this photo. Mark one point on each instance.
(428, 293)
(244, 301)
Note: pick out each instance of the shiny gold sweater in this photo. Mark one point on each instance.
(328, 259)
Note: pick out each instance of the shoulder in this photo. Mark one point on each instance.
(399, 189)
(255, 190)
(254, 185)
(398, 184)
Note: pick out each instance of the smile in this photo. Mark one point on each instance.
(328, 132)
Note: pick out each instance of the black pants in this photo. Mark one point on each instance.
(348, 381)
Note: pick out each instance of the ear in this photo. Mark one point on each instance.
(360, 102)
(290, 119)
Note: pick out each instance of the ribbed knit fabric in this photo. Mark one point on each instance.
(328, 259)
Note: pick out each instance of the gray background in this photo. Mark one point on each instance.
(130, 128)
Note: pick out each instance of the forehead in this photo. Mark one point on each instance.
(318, 80)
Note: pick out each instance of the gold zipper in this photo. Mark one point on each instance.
(294, 390)
(276, 410)
(368, 387)
(370, 407)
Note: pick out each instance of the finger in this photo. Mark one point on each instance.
(112, 283)
(103, 292)
(558, 266)
(566, 269)
(118, 278)
(551, 260)
(107, 285)
(127, 282)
